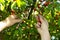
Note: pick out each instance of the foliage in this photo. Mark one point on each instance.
(26, 30)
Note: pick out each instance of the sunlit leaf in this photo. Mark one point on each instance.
(20, 3)
(13, 4)
(1, 1)
(2, 7)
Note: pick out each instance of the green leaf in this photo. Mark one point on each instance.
(2, 1)
(16, 32)
(58, 8)
(59, 22)
(20, 3)
(2, 7)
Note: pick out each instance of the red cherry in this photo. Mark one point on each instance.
(39, 19)
(12, 12)
(38, 5)
(46, 3)
(41, 0)
(34, 9)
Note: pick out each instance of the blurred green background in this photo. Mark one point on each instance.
(24, 10)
